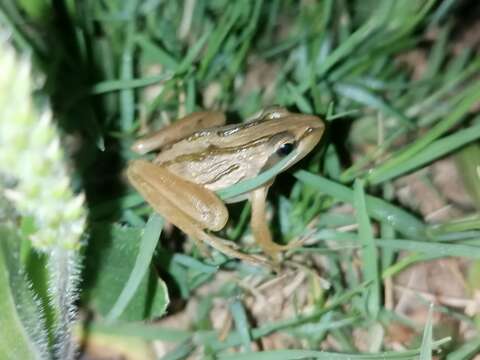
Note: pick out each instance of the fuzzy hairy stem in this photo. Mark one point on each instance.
(64, 271)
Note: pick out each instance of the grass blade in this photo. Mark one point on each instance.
(427, 340)
(369, 251)
(145, 254)
(470, 97)
(380, 210)
(241, 323)
(323, 355)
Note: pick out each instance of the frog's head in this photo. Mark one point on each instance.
(293, 135)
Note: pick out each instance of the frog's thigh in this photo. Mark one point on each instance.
(260, 229)
(178, 130)
(177, 199)
(187, 205)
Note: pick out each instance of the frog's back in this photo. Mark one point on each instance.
(210, 157)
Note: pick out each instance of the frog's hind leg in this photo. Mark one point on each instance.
(189, 206)
(260, 228)
(178, 130)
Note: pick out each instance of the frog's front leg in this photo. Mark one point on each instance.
(260, 229)
(178, 130)
(189, 206)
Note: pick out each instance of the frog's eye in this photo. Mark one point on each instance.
(285, 149)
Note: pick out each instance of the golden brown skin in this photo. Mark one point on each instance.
(200, 156)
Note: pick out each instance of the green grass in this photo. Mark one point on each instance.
(113, 68)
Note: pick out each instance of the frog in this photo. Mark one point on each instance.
(199, 155)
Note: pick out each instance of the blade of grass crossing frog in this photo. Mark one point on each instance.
(470, 97)
(380, 210)
(369, 250)
(427, 339)
(145, 253)
(248, 185)
(436, 150)
(241, 323)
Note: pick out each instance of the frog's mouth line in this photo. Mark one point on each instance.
(248, 185)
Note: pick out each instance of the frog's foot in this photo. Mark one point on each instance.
(220, 245)
(274, 250)
(229, 243)
(260, 229)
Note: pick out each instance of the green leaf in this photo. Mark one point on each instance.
(145, 254)
(23, 334)
(111, 257)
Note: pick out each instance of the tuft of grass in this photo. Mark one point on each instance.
(116, 69)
